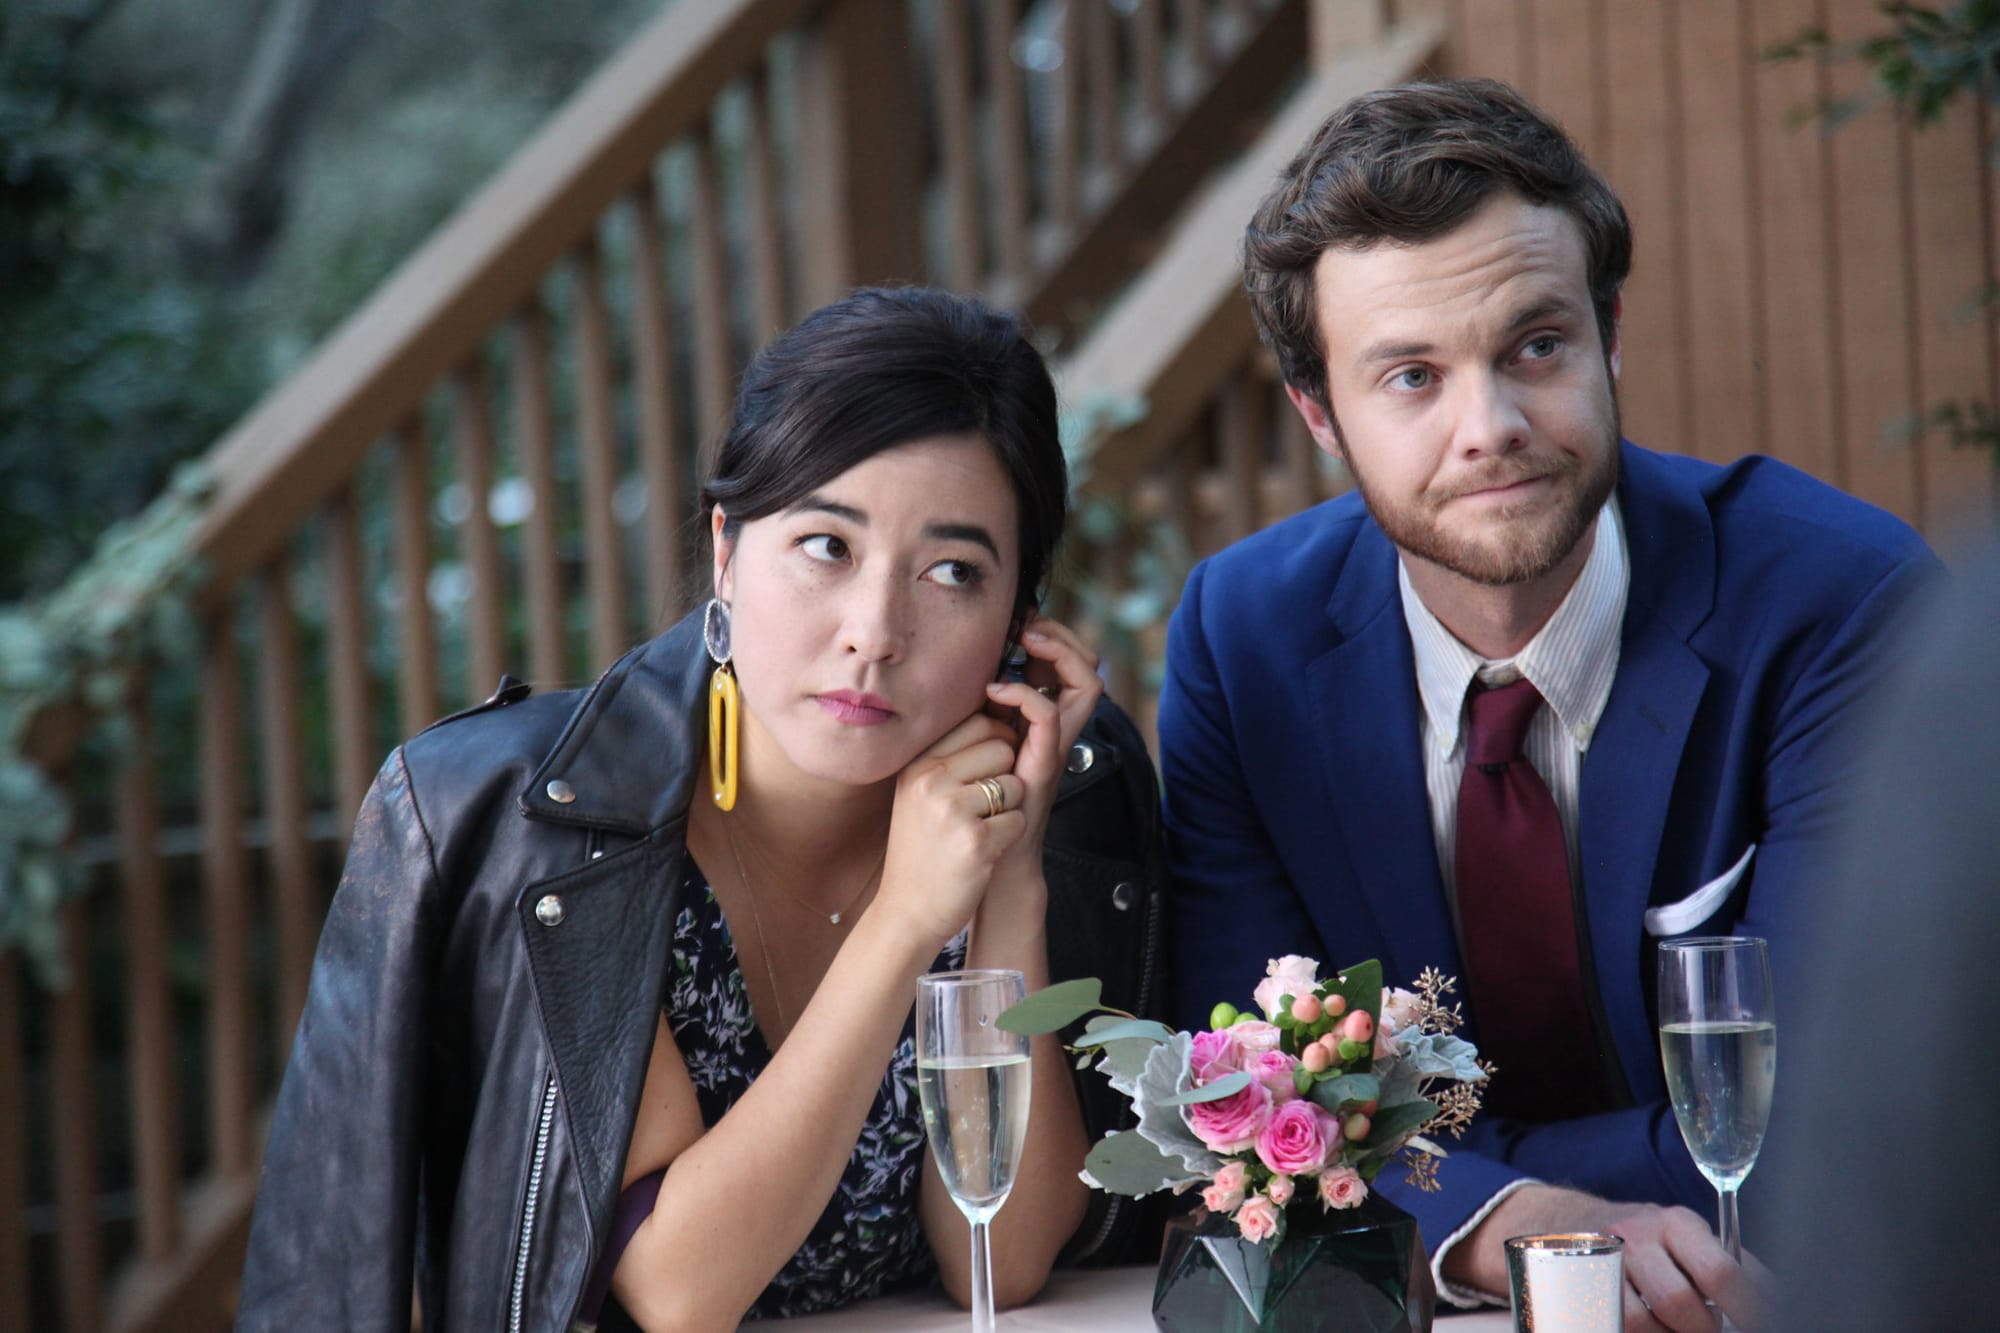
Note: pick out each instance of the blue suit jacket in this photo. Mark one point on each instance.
(1761, 612)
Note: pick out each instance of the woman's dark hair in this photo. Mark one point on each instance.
(1408, 164)
(884, 367)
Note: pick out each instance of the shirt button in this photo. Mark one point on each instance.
(549, 911)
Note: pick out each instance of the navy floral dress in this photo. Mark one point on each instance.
(869, 1240)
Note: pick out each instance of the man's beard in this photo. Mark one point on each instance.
(1521, 555)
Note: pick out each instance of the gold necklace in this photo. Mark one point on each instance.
(763, 945)
(832, 918)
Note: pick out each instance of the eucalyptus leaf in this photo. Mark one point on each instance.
(1392, 1124)
(1335, 1092)
(1125, 1061)
(1128, 1163)
(1052, 1007)
(1226, 1086)
(1124, 1029)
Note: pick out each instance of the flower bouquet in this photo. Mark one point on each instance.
(1283, 1121)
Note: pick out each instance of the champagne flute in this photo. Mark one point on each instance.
(972, 1078)
(1719, 1044)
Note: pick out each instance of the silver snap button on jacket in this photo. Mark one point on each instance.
(561, 792)
(549, 911)
(1081, 757)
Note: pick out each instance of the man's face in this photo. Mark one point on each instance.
(1471, 394)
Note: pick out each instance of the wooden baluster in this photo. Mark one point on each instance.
(472, 433)
(534, 422)
(1066, 168)
(1106, 123)
(13, 1151)
(416, 643)
(154, 1114)
(284, 801)
(79, 1245)
(652, 351)
(767, 239)
(597, 445)
(1196, 42)
(1149, 66)
(225, 878)
(1010, 144)
(953, 88)
(1182, 513)
(347, 659)
(712, 359)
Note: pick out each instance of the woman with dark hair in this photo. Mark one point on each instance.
(616, 990)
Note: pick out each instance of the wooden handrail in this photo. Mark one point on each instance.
(303, 441)
(1178, 332)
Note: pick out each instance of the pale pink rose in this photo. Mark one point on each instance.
(1342, 1187)
(1231, 1124)
(1399, 1011)
(1257, 1219)
(1225, 1193)
(1293, 1140)
(1290, 975)
(1214, 1054)
(1253, 1036)
(1274, 1070)
(1279, 1190)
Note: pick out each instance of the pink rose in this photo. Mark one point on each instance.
(1294, 1139)
(1231, 1124)
(1257, 1219)
(1290, 975)
(1225, 1192)
(1342, 1187)
(1214, 1054)
(1399, 1011)
(1253, 1036)
(1279, 1190)
(1274, 1070)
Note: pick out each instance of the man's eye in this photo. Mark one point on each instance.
(824, 546)
(1540, 349)
(954, 573)
(1416, 377)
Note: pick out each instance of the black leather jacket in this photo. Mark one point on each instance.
(462, 1087)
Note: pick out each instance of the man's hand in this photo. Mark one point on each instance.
(1678, 1278)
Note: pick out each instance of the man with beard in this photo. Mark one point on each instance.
(1530, 698)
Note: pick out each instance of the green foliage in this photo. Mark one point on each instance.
(128, 610)
(1051, 1007)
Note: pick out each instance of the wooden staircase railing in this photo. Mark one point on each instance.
(491, 463)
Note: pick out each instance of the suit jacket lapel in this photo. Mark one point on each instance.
(1628, 776)
(1364, 700)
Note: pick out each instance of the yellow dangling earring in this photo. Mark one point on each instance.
(725, 705)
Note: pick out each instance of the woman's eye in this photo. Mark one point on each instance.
(1416, 377)
(824, 546)
(954, 573)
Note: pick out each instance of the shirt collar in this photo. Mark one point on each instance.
(1572, 659)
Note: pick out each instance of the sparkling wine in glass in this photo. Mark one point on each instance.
(972, 1078)
(1719, 1043)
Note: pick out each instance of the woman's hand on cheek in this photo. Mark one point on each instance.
(1055, 701)
(943, 844)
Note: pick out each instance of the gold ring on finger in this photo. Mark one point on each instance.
(996, 796)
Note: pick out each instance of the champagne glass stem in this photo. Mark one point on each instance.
(1729, 1226)
(982, 1279)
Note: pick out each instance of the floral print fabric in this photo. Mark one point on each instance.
(869, 1240)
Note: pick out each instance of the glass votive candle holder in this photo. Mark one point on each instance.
(1570, 1282)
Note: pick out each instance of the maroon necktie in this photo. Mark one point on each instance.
(1523, 973)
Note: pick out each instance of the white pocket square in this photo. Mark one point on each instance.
(1697, 907)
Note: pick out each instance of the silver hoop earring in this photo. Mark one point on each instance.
(715, 630)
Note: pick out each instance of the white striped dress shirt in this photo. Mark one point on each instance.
(1571, 660)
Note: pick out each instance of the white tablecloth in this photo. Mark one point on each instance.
(1117, 1300)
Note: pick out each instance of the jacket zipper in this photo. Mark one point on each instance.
(528, 1209)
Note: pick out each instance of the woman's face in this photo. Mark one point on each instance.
(867, 619)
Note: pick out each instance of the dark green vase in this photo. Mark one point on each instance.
(1356, 1270)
